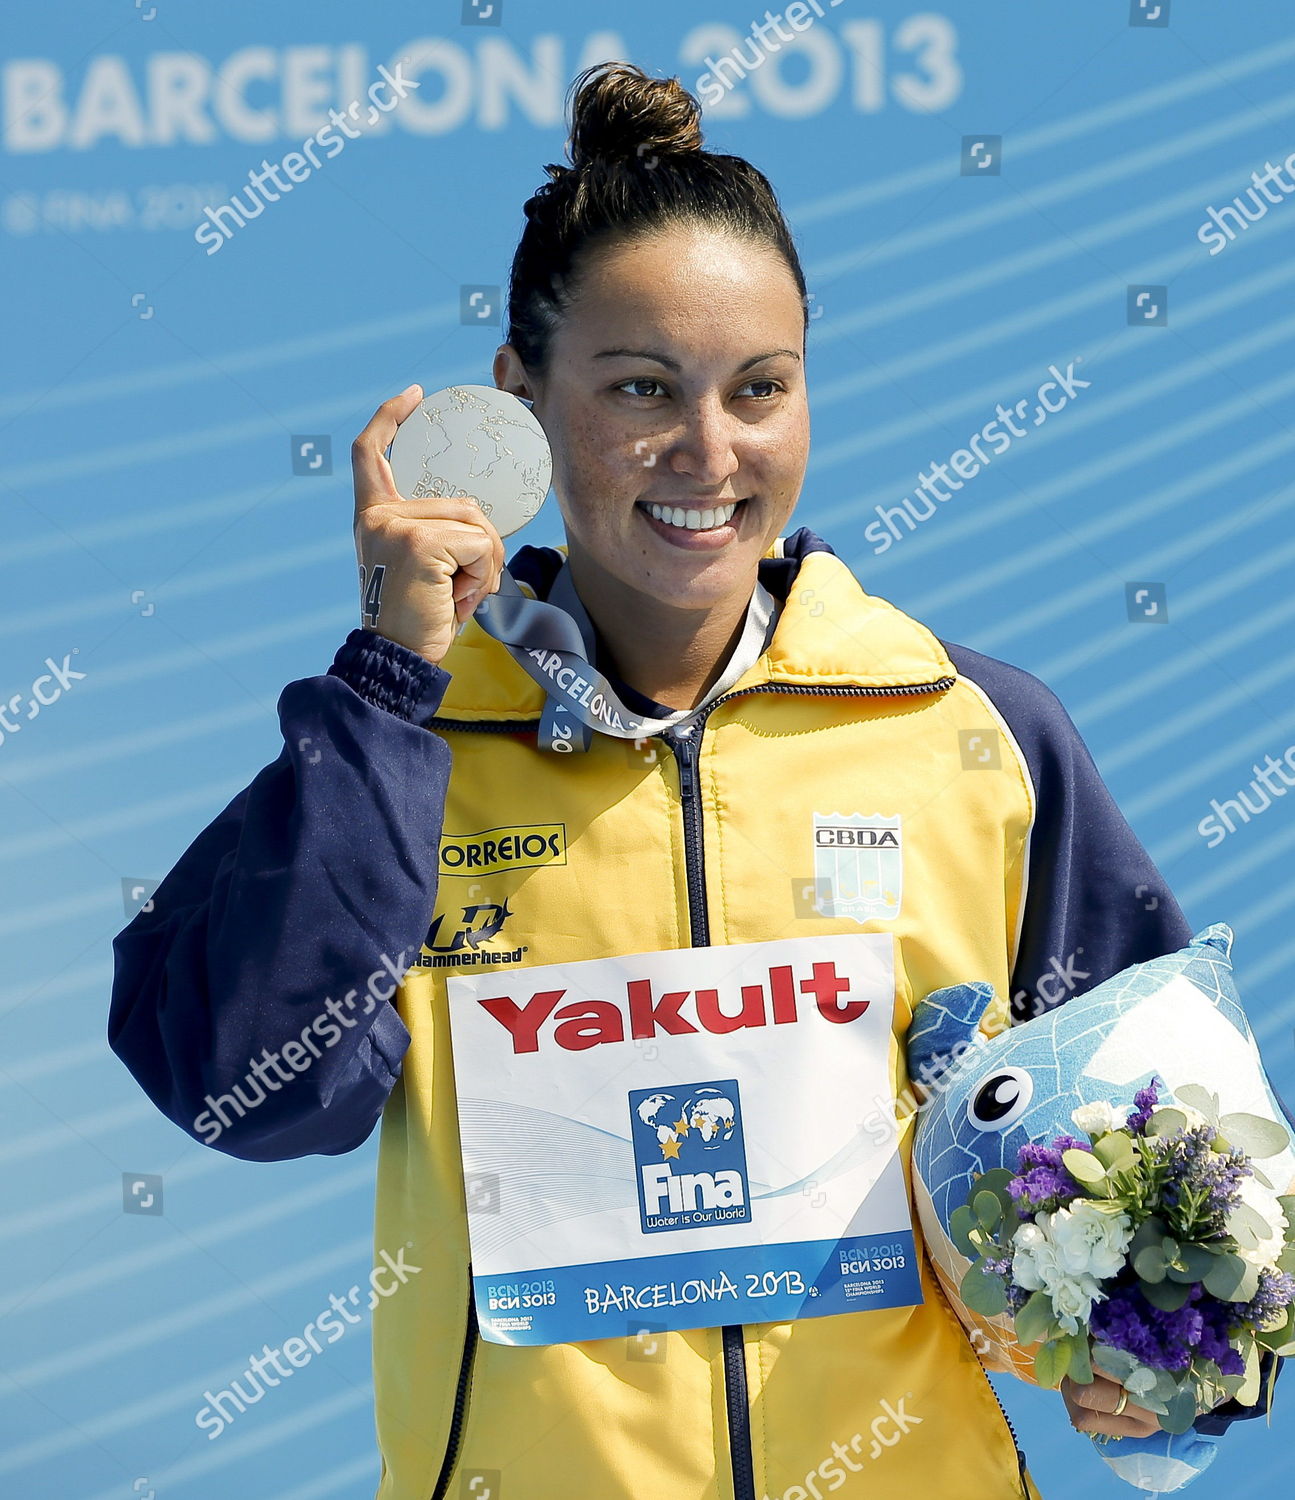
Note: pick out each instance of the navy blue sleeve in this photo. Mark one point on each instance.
(251, 1000)
(1095, 903)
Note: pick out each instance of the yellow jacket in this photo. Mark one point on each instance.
(853, 707)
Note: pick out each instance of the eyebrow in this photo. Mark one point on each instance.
(673, 364)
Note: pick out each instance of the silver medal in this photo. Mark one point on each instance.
(479, 441)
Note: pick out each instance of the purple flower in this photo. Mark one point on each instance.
(1042, 1183)
(1145, 1102)
(1276, 1293)
(1168, 1340)
(1199, 1186)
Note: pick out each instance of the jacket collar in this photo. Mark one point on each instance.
(830, 633)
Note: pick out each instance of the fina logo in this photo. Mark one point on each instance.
(689, 1156)
(858, 865)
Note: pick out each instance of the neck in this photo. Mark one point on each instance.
(670, 654)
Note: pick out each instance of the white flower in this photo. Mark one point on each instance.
(1072, 1300)
(1034, 1258)
(1264, 1202)
(1194, 1117)
(1088, 1241)
(1096, 1119)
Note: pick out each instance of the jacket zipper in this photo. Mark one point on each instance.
(526, 726)
(1020, 1452)
(461, 1392)
(684, 742)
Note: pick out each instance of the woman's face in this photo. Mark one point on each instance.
(675, 385)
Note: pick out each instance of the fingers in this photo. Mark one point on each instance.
(1092, 1409)
(372, 473)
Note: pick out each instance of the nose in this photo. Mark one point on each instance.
(704, 447)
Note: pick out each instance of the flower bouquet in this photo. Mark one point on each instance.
(1152, 1248)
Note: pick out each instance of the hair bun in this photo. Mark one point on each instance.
(621, 113)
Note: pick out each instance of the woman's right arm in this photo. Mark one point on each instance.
(283, 922)
(251, 1000)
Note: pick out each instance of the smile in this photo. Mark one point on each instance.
(692, 520)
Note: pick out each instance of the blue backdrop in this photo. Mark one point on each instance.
(980, 191)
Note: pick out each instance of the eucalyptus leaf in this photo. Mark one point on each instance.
(988, 1210)
(961, 1221)
(1081, 1366)
(1166, 1122)
(1117, 1363)
(1198, 1098)
(1261, 1176)
(1035, 1319)
(1115, 1151)
(1223, 1278)
(1052, 1362)
(1150, 1264)
(1256, 1135)
(1247, 1226)
(995, 1179)
(1191, 1263)
(1084, 1167)
(1168, 1296)
(1180, 1410)
(1286, 1260)
(1150, 1232)
(983, 1291)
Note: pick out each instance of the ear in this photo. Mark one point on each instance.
(944, 1018)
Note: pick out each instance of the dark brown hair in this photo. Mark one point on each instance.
(637, 167)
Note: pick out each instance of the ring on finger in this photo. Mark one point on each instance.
(1121, 1404)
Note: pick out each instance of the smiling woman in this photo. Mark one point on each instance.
(833, 802)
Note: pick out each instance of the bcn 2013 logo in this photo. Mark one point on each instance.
(689, 1155)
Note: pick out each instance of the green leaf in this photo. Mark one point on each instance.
(1247, 1226)
(1150, 1232)
(1198, 1098)
(1191, 1263)
(1117, 1363)
(1166, 1122)
(1081, 1366)
(961, 1221)
(1256, 1135)
(1261, 1176)
(1052, 1362)
(1035, 1319)
(1168, 1296)
(1276, 1337)
(1232, 1279)
(1286, 1260)
(1287, 1201)
(1180, 1410)
(1115, 1151)
(1084, 1167)
(1150, 1264)
(988, 1210)
(983, 1291)
(995, 1179)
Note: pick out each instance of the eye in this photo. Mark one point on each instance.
(1001, 1100)
(773, 391)
(641, 380)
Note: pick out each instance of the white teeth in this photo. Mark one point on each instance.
(693, 520)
